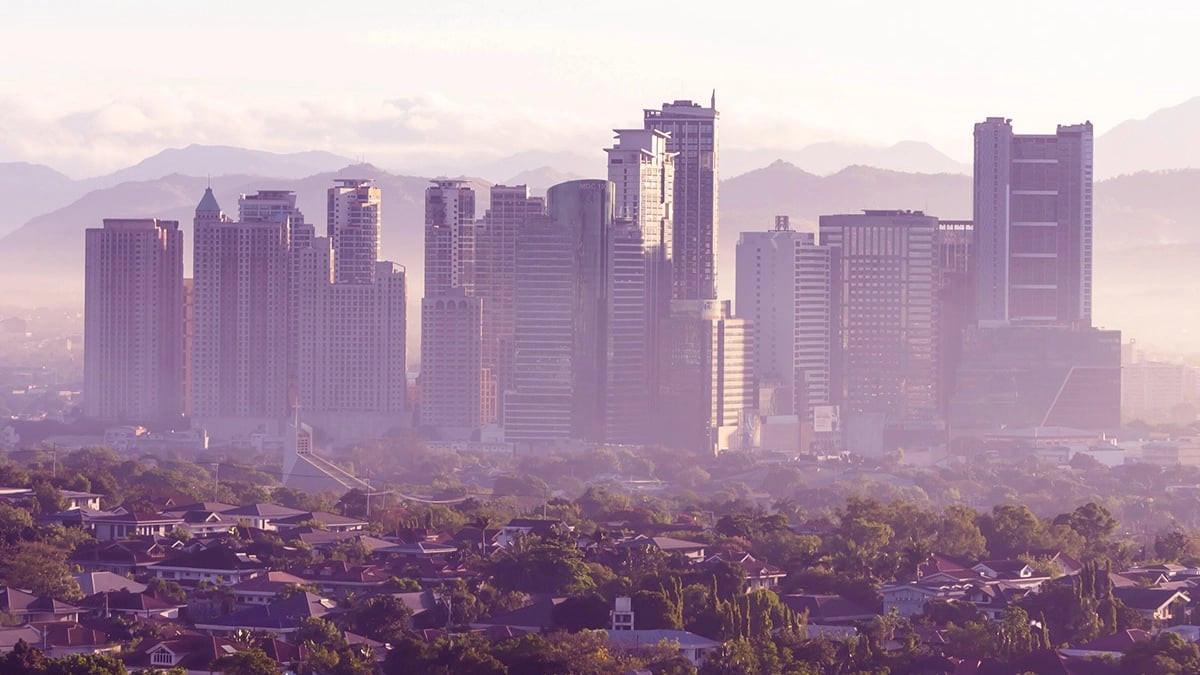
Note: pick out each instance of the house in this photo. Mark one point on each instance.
(330, 522)
(262, 589)
(98, 582)
(1113, 646)
(693, 647)
(1004, 569)
(261, 516)
(120, 526)
(537, 527)
(281, 617)
(533, 618)
(419, 549)
(1156, 605)
(59, 638)
(121, 558)
(910, 599)
(691, 551)
(827, 610)
(218, 565)
(420, 603)
(129, 605)
(991, 598)
(26, 607)
(73, 498)
(338, 577)
(195, 653)
(759, 575)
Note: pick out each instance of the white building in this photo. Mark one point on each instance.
(355, 223)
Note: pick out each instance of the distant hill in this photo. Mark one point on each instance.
(28, 190)
(830, 157)
(222, 160)
(1167, 139)
(542, 178)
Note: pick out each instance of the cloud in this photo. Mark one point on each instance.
(427, 129)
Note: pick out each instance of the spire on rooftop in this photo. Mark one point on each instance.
(208, 203)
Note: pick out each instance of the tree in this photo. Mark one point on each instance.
(535, 565)
(735, 657)
(318, 631)
(1167, 653)
(39, 568)
(382, 618)
(958, 533)
(249, 662)
(654, 610)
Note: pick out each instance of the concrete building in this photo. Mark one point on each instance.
(239, 357)
(693, 137)
(956, 300)
(280, 205)
(496, 270)
(538, 408)
(627, 349)
(708, 380)
(1033, 224)
(783, 289)
(885, 313)
(1158, 392)
(451, 365)
(134, 321)
(354, 226)
(449, 237)
(353, 354)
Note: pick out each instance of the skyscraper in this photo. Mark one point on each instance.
(134, 321)
(539, 404)
(355, 223)
(451, 364)
(885, 312)
(280, 205)
(239, 359)
(783, 290)
(692, 131)
(1033, 224)
(496, 270)
(449, 237)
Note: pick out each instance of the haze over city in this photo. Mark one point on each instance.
(543, 338)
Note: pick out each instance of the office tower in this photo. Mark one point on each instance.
(354, 225)
(134, 321)
(956, 298)
(280, 205)
(239, 360)
(708, 380)
(885, 312)
(449, 237)
(354, 353)
(496, 272)
(625, 370)
(642, 172)
(584, 210)
(1033, 224)
(783, 290)
(692, 131)
(451, 364)
(189, 312)
(539, 404)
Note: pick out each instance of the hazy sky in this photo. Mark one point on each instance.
(91, 86)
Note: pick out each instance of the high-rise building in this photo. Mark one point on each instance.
(355, 223)
(539, 404)
(1033, 224)
(956, 298)
(354, 350)
(280, 205)
(885, 313)
(642, 172)
(449, 237)
(496, 271)
(692, 138)
(451, 364)
(783, 290)
(188, 325)
(708, 380)
(134, 321)
(239, 358)
(627, 350)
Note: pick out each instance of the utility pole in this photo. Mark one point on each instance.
(216, 478)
